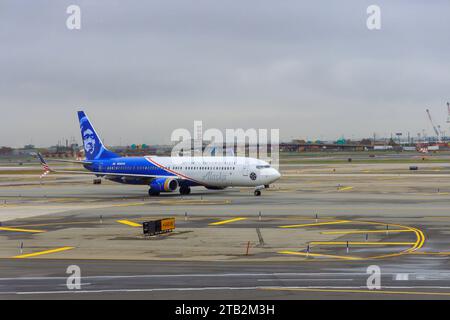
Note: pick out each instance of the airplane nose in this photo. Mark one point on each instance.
(275, 174)
(270, 175)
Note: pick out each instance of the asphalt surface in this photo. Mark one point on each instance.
(418, 270)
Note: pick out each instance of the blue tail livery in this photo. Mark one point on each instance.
(93, 145)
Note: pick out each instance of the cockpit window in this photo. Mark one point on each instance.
(263, 166)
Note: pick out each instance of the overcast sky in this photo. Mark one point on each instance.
(141, 69)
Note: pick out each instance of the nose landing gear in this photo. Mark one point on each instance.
(258, 189)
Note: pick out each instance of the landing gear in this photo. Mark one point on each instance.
(258, 189)
(185, 190)
(152, 193)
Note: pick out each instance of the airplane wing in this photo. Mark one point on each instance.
(41, 159)
(71, 161)
(47, 170)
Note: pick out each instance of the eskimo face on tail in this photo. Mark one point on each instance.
(89, 141)
(93, 146)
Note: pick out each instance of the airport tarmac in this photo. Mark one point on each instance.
(313, 235)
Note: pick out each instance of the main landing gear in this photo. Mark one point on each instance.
(257, 193)
(184, 190)
(152, 193)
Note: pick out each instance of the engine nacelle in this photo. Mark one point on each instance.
(163, 185)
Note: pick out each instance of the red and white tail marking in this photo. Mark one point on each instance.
(46, 170)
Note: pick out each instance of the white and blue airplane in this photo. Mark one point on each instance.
(168, 174)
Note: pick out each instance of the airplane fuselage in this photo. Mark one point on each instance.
(190, 171)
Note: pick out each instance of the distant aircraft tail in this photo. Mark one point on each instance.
(44, 164)
(93, 145)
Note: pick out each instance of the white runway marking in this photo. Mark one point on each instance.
(123, 290)
(276, 274)
(269, 280)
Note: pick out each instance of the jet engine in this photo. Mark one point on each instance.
(163, 185)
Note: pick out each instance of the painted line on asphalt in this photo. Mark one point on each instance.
(359, 291)
(129, 223)
(54, 224)
(30, 255)
(318, 255)
(314, 224)
(226, 221)
(364, 231)
(21, 230)
(361, 243)
(299, 289)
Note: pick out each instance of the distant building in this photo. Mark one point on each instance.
(6, 151)
(25, 151)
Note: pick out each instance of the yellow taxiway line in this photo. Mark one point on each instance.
(414, 246)
(362, 243)
(30, 255)
(226, 221)
(359, 291)
(364, 231)
(314, 224)
(317, 255)
(420, 239)
(129, 223)
(21, 230)
(444, 253)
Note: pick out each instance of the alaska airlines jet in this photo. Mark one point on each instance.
(168, 174)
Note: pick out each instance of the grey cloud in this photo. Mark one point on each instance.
(141, 69)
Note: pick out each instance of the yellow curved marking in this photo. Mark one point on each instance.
(21, 230)
(226, 221)
(29, 255)
(420, 238)
(314, 224)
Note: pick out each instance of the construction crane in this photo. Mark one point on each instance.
(436, 129)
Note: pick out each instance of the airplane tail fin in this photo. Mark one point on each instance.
(93, 145)
(44, 164)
